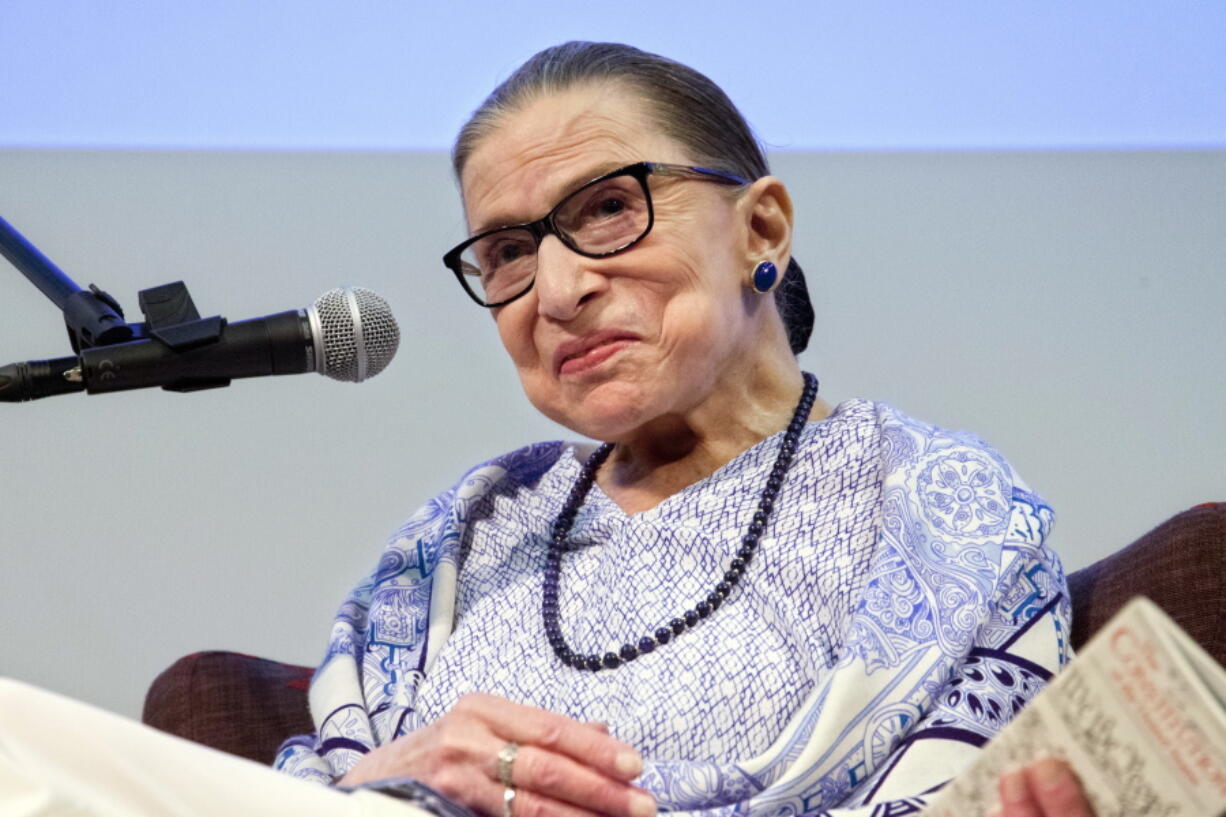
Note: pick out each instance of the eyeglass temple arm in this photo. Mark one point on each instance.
(665, 169)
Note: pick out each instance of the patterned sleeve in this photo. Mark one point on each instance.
(345, 730)
(1021, 643)
(391, 627)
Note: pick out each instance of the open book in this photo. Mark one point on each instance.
(1140, 715)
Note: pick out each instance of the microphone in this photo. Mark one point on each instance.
(347, 334)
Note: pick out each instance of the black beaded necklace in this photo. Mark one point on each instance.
(704, 608)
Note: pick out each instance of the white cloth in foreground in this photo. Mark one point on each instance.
(63, 758)
(902, 606)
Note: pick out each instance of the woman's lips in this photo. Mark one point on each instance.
(588, 352)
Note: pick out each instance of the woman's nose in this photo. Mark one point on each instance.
(564, 280)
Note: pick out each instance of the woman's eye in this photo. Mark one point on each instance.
(503, 253)
(508, 253)
(605, 208)
(611, 207)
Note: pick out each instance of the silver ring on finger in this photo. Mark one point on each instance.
(508, 801)
(506, 764)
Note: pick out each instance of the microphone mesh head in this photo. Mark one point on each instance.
(356, 335)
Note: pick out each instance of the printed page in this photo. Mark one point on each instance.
(1133, 716)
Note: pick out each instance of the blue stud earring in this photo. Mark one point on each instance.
(765, 277)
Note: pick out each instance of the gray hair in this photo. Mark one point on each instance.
(687, 106)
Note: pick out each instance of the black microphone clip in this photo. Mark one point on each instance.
(171, 317)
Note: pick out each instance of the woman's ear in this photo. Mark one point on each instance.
(768, 218)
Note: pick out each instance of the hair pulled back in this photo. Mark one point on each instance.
(687, 107)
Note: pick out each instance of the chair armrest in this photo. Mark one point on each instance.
(236, 703)
(1180, 565)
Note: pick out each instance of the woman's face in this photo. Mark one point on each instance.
(605, 346)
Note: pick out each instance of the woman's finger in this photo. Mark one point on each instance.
(1056, 789)
(528, 726)
(1015, 798)
(556, 776)
(533, 804)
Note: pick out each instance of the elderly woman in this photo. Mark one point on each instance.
(742, 601)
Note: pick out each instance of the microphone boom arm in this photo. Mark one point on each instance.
(93, 317)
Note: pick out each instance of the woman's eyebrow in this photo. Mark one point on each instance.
(573, 183)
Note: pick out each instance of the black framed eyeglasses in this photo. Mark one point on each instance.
(608, 215)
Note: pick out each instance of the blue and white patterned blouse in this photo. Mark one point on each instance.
(901, 607)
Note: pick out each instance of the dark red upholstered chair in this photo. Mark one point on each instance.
(247, 705)
(238, 703)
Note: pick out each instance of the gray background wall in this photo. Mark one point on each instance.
(1067, 306)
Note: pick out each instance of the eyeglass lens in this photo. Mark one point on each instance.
(602, 217)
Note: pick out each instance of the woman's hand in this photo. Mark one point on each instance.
(1045, 788)
(563, 768)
